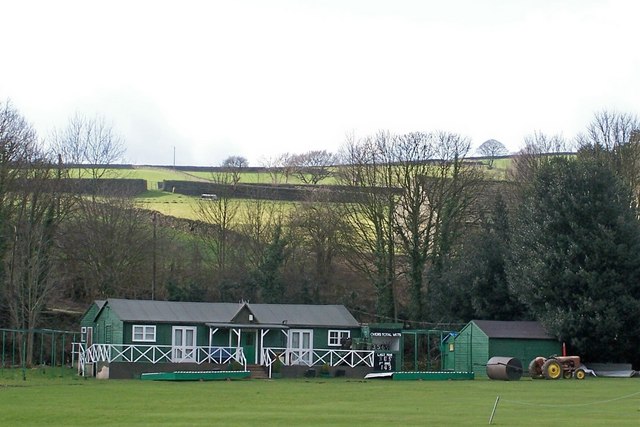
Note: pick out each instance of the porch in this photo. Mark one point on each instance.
(214, 356)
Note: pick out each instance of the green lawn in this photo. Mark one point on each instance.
(43, 400)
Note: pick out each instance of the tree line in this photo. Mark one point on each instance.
(429, 242)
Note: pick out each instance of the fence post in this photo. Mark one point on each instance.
(23, 357)
(62, 360)
(3, 347)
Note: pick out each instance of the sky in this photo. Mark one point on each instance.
(198, 81)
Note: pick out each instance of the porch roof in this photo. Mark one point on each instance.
(247, 325)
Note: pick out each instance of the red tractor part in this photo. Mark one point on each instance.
(555, 367)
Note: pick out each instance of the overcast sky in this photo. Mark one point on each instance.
(260, 78)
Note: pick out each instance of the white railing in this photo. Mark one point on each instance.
(158, 354)
(313, 357)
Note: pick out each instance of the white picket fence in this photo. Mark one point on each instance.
(157, 354)
(317, 357)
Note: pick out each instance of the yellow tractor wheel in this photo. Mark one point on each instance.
(580, 374)
(552, 369)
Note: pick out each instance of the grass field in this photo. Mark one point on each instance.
(69, 400)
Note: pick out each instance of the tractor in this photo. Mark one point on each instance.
(555, 367)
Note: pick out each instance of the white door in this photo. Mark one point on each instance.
(301, 345)
(184, 344)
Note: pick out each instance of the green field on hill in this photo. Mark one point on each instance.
(70, 400)
(182, 206)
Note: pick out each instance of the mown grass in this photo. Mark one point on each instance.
(70, 400)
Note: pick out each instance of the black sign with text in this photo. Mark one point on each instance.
(385, 362)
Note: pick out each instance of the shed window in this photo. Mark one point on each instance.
(336, 338)
(145, 333)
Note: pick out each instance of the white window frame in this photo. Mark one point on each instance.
(146, 329)
(83, 334)
(335, 336)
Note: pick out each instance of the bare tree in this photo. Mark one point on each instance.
(288, 165)
(31, 210)
(88, 143)
(234, 165)
(221, 214)
(368, 167)
(609, 130)
(107, 244)
(272, 166)
(436, 191)
(320, 233)
(538, 149)
(314, 166)
(613, 137)
(491, 149)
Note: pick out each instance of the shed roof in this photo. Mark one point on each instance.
(223, 313)
(513, 329)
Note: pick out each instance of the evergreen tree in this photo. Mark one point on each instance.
(475, 284)
(576, 258)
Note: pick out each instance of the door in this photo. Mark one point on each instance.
(301, 345)
(248, 344)
(89, 336)
(184, 344)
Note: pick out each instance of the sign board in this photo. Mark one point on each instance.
(385, 362)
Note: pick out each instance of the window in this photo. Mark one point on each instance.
(146, 333)
(83, 334)
(336, 338)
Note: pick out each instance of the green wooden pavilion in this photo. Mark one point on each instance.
(130, 337)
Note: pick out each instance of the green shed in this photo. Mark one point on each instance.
(480, 340)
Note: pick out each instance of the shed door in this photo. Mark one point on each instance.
(184, 344)
(301, 345)
(248, 344)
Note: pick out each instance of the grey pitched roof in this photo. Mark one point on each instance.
(513, 329)
(172, 311)
(304, 315)
(220, 313)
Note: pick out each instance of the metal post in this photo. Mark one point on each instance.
(3, 342)
(24, 362)
(53, 350)
(429, 366)
(13, 349)
(73, 354)
(62, 360)
(415, 352)
(153, 274)
(495, 406)
(41, 349)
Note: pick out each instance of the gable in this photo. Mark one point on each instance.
(90, 315)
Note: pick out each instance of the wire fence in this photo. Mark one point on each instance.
(48, 349)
